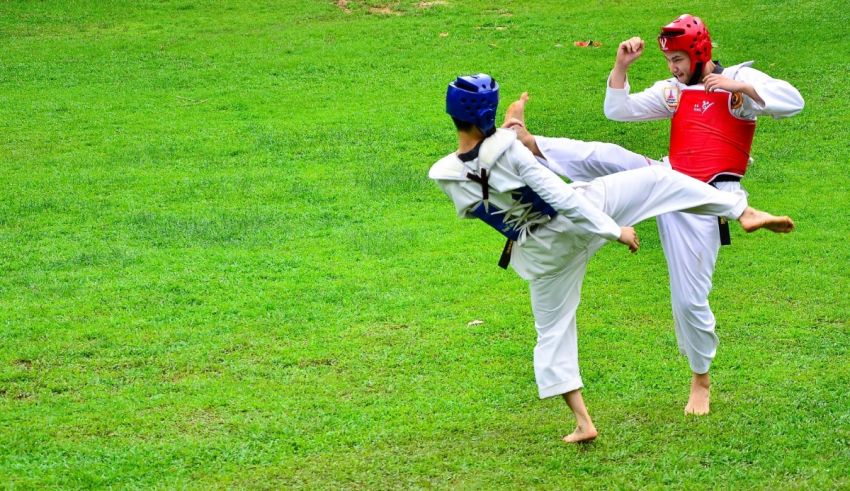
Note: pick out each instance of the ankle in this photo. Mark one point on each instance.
(701, 380)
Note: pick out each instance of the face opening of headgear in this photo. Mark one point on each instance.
(689, 34)
(474, 99)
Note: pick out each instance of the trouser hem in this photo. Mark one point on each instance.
(558, 389)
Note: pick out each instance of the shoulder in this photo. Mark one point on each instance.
(742, 71)
(448, 168)
(666, 83)
(495, 146)
(668, 89)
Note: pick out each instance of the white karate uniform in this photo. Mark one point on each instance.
(553, 255)
(690, 242)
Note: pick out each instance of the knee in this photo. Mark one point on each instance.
(694, 313)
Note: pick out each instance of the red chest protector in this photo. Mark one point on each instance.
(706, 139)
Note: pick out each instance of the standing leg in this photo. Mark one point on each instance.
(585, 431)
(554, 301)
(691, 244)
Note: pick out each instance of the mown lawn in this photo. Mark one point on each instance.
(222, 263)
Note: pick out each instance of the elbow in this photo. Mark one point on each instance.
(614, 115)
(615, 110)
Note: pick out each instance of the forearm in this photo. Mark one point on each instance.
(750, 92)
(777, 98)
(766, 95)
(617, 79)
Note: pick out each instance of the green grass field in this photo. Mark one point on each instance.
(222, 263)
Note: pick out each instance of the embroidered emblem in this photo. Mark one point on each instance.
(671, 96)
(737, 100)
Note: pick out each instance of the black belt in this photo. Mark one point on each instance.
(722, 223)
(725, 178)
(505, 259)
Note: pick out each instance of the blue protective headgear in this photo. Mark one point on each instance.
(474, 99)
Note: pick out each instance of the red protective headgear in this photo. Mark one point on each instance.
(687, 33)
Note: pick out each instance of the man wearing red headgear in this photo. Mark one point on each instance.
(713, 111)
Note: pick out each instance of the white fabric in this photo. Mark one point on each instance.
(584, 161)
(781, 99)
(555, 264)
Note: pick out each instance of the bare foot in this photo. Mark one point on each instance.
(515, 120)
(581, 435)
(516, 112)
(698, 402)
(752, 220)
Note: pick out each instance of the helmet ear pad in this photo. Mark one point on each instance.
(487, 115)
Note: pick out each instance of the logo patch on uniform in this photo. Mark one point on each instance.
(703, 108)
(737, 100)
(671, 96)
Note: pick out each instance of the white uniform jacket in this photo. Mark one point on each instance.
(660, 101)
(543, 248)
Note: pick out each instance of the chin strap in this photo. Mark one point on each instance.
(697, 75)
(718, 68)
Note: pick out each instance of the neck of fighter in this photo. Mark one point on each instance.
(467, 140)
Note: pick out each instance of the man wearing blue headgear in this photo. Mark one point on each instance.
(554, 228)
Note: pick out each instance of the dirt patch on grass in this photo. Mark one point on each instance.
(388, 8)
(383, 10)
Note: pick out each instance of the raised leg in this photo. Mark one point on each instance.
(574, 159)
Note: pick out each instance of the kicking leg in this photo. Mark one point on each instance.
(515, 119)
(752, 220)
(574, 159)
(636, 195)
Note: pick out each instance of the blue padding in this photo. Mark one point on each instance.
(495, 221)
(537, 203)
(522, 195)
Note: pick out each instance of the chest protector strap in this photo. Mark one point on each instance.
(706, 139)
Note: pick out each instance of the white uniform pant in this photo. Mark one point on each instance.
(628, 198)
(690, 242)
